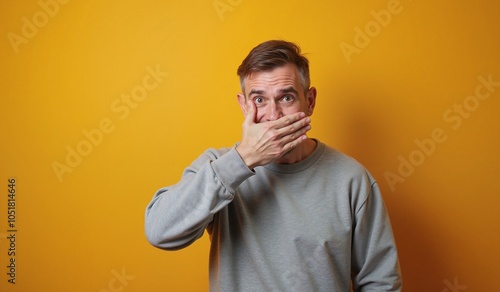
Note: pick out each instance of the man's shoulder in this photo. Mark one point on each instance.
(340, 158)
(343, 163)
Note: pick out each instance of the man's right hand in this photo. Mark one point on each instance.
(266, 142)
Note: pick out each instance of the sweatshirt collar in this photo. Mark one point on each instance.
(299, 166)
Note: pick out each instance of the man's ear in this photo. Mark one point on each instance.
(311, 100)
(243, 103)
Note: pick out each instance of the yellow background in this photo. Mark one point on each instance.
(79, 232)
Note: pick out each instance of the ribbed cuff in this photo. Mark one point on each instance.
(231, 170)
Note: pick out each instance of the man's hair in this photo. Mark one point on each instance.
(273, 54)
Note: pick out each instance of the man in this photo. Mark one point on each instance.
(284, 212)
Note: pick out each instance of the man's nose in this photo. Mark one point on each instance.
(273, 112)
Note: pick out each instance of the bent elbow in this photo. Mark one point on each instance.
(163, 240)
(153, 238)
(158, 239)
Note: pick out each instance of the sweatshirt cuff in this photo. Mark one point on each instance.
(231, 170)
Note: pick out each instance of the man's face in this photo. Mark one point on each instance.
(277, 93)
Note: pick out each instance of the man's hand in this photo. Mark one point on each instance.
(265, 142)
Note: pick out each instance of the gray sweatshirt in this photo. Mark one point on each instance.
(315, 225)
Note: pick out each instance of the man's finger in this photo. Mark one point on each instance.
(289, 119)
(294, 124)
(250, 114)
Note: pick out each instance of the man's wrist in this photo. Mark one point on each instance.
(246, 156)
(231, 170)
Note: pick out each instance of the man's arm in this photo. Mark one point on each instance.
(179, 214)
(375, 262)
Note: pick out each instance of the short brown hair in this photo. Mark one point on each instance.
(273, 54)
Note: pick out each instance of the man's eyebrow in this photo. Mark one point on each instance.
(290, 89)
(255, 91)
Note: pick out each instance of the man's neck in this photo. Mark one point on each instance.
(299, 153)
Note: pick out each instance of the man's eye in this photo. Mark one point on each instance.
(287, 98)
(258, 100)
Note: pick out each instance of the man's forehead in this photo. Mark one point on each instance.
(286, 70)
(280, 78)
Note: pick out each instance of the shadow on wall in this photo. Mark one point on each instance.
(371, 137)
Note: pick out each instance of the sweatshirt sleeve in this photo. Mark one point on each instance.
(375, 262)
(178, 214)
